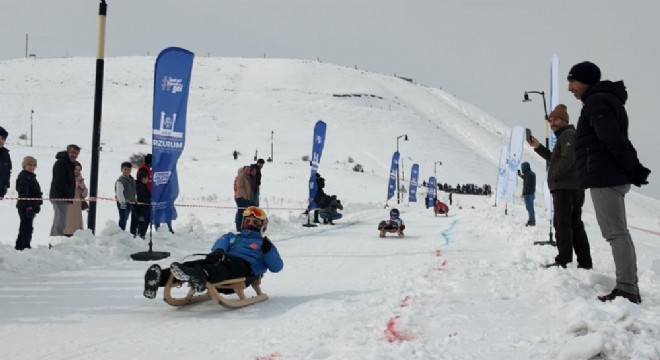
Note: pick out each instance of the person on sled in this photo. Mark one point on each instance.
(394, 224)
(245, 254)
(440, 208)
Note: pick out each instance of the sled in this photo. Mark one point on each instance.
(217, 292)
(441, 208)
(383, 233)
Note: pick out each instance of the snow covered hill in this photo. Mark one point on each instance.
(467, 286)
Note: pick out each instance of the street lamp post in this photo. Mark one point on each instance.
(398, 194)
(547, 146)
(545, 111)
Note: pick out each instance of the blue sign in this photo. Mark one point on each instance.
(393, 171)
(317, 150)
(171, 85)
(413, 183)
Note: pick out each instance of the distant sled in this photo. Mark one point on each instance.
(441, 208)
(218, 292)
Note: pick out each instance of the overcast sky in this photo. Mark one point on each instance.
(485, 52)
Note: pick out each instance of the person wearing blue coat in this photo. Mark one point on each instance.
(246, 254)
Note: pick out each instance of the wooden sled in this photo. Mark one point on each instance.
(217, 292)
(384, 232)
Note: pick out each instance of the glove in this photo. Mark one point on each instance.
(520, 173)
(638, 175)
(216, 256)
(29, 213)
(266, 246)
(36, 209)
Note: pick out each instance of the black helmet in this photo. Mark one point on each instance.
(394, 213)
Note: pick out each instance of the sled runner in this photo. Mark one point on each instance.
(217, 292)
(385, 228)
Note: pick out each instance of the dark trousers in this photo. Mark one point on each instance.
(230, 268)
(241, 204)
(24, 230)
(140, 220)
(569, 228)
(123, 215)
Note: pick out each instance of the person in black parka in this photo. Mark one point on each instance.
(607, 164)
(27, 187)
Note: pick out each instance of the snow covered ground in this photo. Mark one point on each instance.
(467, 286)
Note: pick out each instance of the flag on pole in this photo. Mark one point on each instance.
(171, 86)
(414, 175)
(317, 150)
(391, 188)
(515, 157)
(500, 190)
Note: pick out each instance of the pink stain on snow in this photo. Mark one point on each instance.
(271, 356)
(442, 266)
(438, 252)
(394, 335)
(404, 302)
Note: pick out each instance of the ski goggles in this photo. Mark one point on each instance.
(255, 212)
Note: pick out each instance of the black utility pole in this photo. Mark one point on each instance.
(98, 104)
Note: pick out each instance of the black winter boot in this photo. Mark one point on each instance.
(152, 281)
(195, 275)
(633, 298)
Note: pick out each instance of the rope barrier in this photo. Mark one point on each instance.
(99, 198)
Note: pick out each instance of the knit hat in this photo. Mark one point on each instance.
(3, 132)
(29, 160)
(147, 159)
(585, 72)
(560, 112)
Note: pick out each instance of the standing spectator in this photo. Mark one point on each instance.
(320, 196)
(5, 164)
(27, 187)
(142, 210)
(145, 170)
(235, 154)
(567, 197)
(125, 193)
(529, 189)
(63, 187)
(259, 165)
(242, 194)
(607, 164)
(74, 220)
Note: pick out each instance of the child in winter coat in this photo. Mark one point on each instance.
(142, 210)
(27, 187)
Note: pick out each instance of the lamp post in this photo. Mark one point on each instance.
(547, 146)
(547, 124)
(398, 194)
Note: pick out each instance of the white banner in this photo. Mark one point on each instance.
(515, 157)
(500, 190)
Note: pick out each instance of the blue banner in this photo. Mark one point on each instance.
(413, 183)
(430, 197)
(317, 150)
(391, 188)
(171, 85)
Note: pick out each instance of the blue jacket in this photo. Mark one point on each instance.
(247, 246)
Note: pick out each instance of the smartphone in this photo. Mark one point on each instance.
(528, 134)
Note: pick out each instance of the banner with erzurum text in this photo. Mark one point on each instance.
(414, 176)
(431, 195)
(515, 158)
(171, 85)
(317, 150)
(391, 186)
(500, 190)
